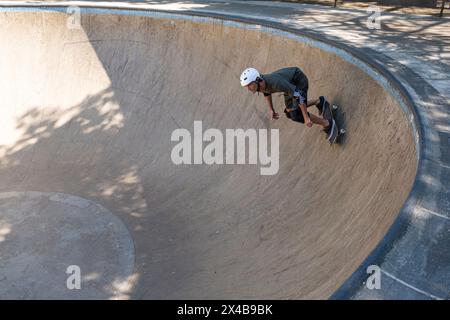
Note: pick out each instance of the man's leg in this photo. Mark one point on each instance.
(320, 121)
(313, 103)
(318, 103)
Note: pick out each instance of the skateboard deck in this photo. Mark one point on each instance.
(331, 114)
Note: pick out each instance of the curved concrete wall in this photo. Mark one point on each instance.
(90, 112)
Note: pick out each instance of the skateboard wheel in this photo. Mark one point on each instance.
(342, 131)
(335, 107)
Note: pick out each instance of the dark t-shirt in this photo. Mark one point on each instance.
(285, 80)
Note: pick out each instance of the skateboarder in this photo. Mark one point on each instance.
(294, 84)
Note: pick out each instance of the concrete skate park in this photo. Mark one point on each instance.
(87, 180)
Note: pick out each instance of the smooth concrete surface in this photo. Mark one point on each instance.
(89, 112)
(47, 239)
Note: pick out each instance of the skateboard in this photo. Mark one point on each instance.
(331, 114)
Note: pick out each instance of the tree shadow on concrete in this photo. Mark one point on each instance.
(84, 151)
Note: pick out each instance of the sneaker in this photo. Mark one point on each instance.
(321, 104)
(326, 113)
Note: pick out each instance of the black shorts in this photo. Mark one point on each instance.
(292, 104)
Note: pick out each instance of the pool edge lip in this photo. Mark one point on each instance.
(425, 164)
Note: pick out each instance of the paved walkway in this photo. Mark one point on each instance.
(419, 42)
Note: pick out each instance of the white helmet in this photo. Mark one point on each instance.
(248, 76)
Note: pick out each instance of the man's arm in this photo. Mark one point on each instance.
(274, 115)
(270, 102)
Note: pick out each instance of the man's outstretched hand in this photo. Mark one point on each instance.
(308, 122)
(275, 116)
